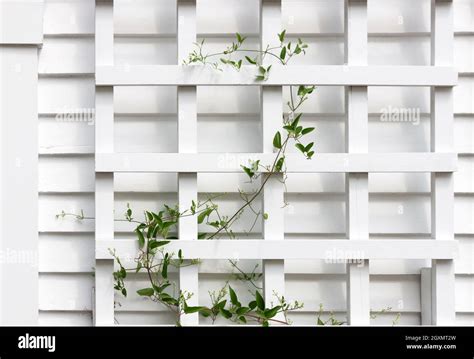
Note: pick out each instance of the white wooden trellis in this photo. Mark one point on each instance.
(357, 184)
(187, 143)
(357, 163)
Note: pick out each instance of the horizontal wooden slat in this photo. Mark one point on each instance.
(333, 249)
(172, 75)
(230, 162)
(330, 250)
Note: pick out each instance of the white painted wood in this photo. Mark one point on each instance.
(230, 162)
(273, 192)
(357, 184)
(21, 22)
(425, 296)
(329, 249)
(187, 143)
(19, 165)
(402, 38)
(324, 75)
(104, 182)
(69, 18)
(442, 184)
(63, 56)
(187, 229)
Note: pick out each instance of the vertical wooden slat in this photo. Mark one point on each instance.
(357, 193)
(187, 143)
(442, 189)
(273, 193)
(21, 32)
(104, 185)
(425, 296)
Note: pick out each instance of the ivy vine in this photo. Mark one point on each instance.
(153, 232)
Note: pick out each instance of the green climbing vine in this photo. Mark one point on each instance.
(155, 230)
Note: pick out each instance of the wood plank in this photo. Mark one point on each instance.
(442, 184)
(327, 249)
(104, 182)
(321, 162)
(357, 141)
(331, 75)
(187, 143)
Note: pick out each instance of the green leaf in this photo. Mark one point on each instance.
(124, 292)
(320, 322)
(205, 312)
(265, 216)
(164, 270)
(166, 225)
(253, 304)
(281, 36)
(260, 78)
(214, 224)
(240, 39)
(248, 171)
(251, 61)
(242, 319)
(283, 53)
(260, 301)
(146, 292)
(190, 310)
(202, 235)
(242, 310)
(149, 215)
(225, 313)
(279, 164)
(233, 296)
(308, 147)
(307, 130)
(310, 154)
(300, 147)
(277, 140)
(155, 244)
(163, 287)
(295, 122)
(222, 304)
(288, 128)
(270, 313)
(155, 231)
(204, 214)
(262, 70)
(141, 238)
(150, 230)
(301, 90)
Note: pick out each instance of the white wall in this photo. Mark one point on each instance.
(145, 121)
